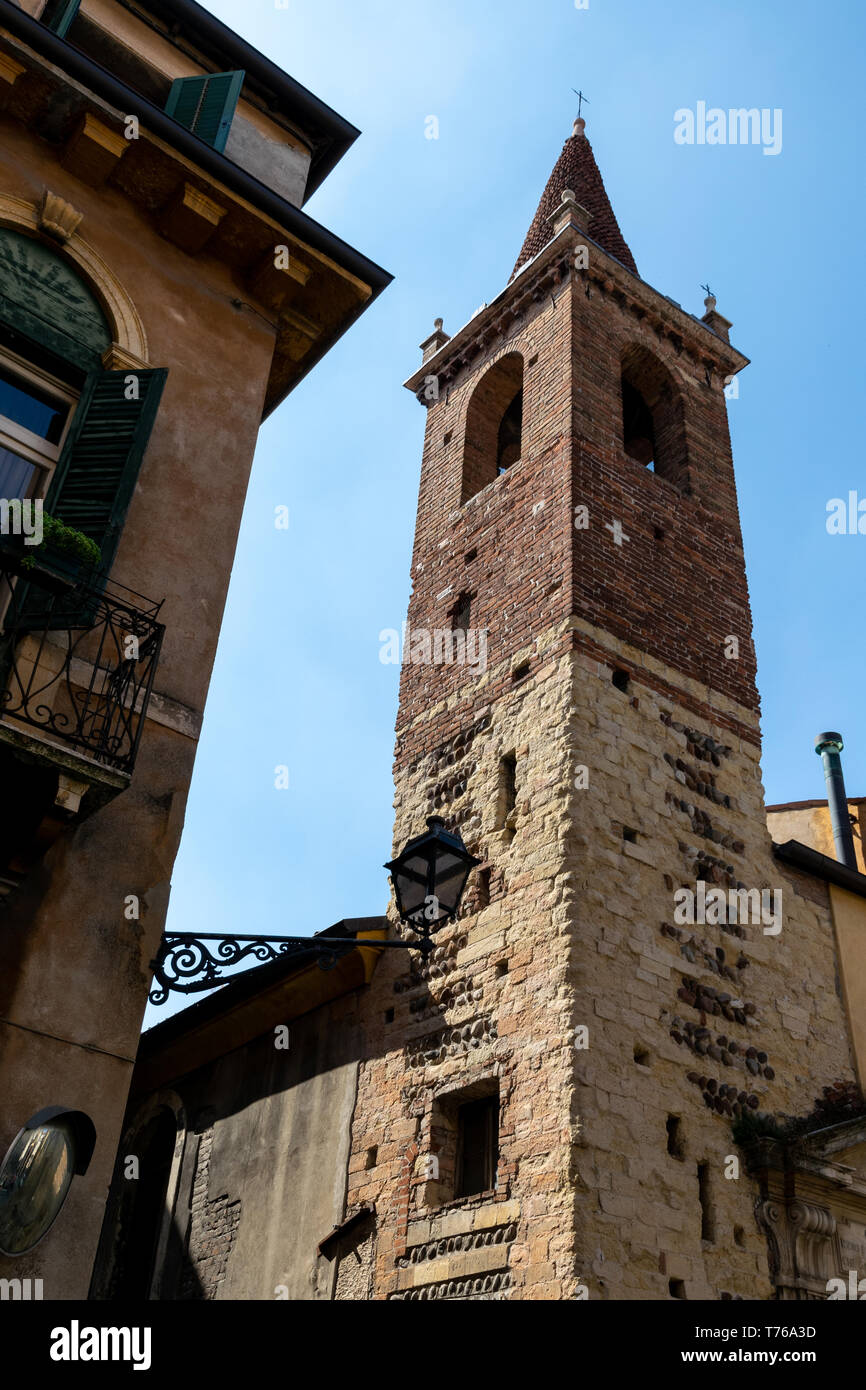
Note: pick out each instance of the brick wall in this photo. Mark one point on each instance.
(213, 1224)
(598, 1188)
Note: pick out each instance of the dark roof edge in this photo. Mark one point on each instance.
(246, 983)
(809, 805)
(210, 35)
(800, 856)
(236, 179)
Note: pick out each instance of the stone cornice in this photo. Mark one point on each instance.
(492, 325)
(194, 195)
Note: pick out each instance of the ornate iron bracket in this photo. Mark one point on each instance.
(185, 964)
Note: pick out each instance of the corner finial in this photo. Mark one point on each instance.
(569, 212)
(438, 338)
(715, 321)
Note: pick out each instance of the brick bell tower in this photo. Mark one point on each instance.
(545, 1109)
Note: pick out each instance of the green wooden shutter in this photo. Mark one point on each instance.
(206, 105)
(59, 14)
(98, 468)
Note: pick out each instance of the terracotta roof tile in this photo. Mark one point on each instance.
(576, 169)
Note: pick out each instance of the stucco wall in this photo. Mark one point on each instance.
(259, 145)
(849, 918)
(263, 1177)
(811, 826)
(73, 969)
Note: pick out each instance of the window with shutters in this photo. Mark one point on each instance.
(97, 471)
(35, 410)
(206, 105)
(71, 432)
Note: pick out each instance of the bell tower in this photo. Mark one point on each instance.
(548, 1106)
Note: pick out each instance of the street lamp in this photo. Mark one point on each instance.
(429, 877)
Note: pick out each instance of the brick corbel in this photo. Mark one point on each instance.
(190, 218)
(10, 71)
(94, 151)
(272, 283)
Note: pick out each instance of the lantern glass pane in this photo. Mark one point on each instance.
(410, 882)
(410, 893)
(451, 874)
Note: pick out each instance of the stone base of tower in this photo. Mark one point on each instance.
(625, 1048)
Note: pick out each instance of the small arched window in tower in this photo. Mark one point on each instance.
(494, 425)
(510, 432)
(638, 431)
(653, 420)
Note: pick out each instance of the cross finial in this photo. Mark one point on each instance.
(580, 100)
(710, 294)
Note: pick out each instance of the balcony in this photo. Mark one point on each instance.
(77, 665)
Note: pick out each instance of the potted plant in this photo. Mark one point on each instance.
(59, 559)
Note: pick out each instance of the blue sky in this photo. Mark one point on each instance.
(298, 679)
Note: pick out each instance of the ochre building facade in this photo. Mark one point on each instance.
(161, 290)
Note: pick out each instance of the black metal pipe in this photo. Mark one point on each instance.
(829, 746)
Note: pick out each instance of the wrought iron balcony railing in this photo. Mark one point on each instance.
(77, 660)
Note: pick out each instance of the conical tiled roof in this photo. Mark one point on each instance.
(576, 169)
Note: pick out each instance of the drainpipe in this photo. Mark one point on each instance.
(830, 746)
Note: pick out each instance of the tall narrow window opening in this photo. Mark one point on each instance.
(477, 1146)
(653, 417)
(508, 444)
(494, 438)
(507, 793)
(707, 1222)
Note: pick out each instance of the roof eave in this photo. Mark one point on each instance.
(736, 359)
(811, 861)
(252, 1002)
(235, 178)
(329, 133)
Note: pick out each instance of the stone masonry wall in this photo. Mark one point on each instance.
(484, 1010)
(696, 1023)
(624, 1045)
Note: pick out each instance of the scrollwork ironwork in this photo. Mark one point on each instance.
(77, 661)
(186, 964)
